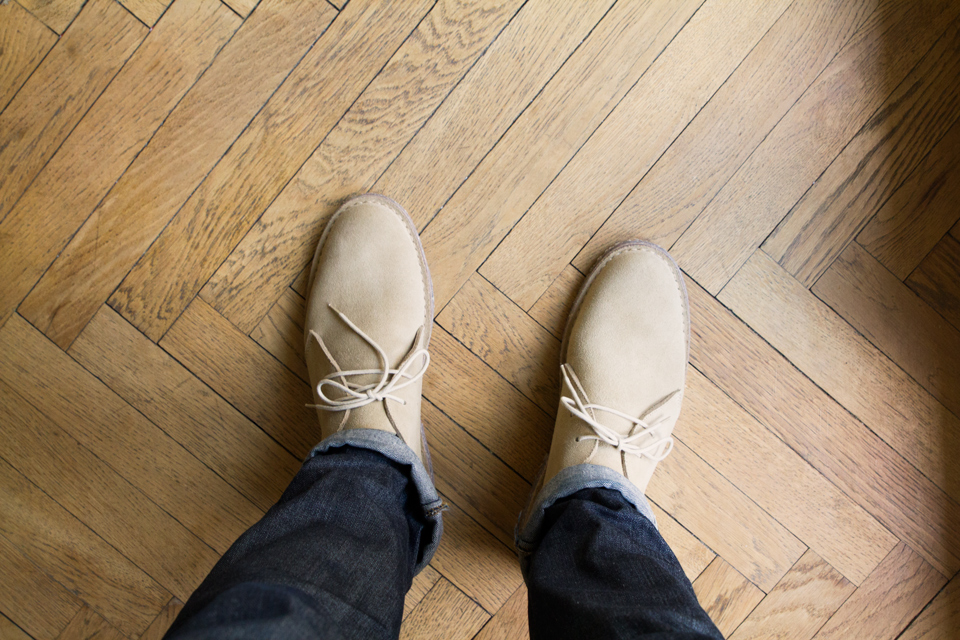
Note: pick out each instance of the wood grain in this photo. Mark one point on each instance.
(941, 619)
(186, 409)
(281, 332)
(655, 111)
(547, 134)
(478, 564)
(723, 518)
(56, 15)
(100, 420)
(693, 555)
(149, 11)
(488, 408)
(553, 307)
(536, 43)
(10, 631)
(63, 548)
(507, 339)
(899, 324)
(920, 212)
(872, 166)
(195, 135)
(246, 376)
(31, 598)
(90, 625)
(807, 139)
(937, 279)
(59, 92)
(104, 143)
(730, 126)
(101, 499)
(780, 481)
(725, 595)
(244, 7)
(886, 602)
(800, 604)
(360, 147)
(444, 613)
(510, 622)
(828, 437)
(846, 366)
(158, 628)
(422, 583)
(262, 160)
(24, 41)
(472, 477)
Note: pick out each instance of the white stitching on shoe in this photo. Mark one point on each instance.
(357, 395)
(580, 407)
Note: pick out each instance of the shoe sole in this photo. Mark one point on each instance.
(612, 252)
(395, 206)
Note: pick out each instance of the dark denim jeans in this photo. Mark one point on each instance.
(335, 556)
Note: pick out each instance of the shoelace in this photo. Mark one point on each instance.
(360, 395)
(586, 411)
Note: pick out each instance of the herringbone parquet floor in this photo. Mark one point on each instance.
(165, 171)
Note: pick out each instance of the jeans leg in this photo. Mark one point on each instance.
(600, 569)
(332, 559)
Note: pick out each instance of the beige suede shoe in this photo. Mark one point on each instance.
(369, 314)
(624, 355)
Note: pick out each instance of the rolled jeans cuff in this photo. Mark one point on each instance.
(395, 449)
(566, 483)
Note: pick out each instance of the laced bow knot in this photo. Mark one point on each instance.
(355, 395)
(628, 444)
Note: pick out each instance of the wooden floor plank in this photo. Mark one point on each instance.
(60, 91)
(800, 604)
(10, 631)
(376, 128)
(101, 499)
(920, 212)
(476, 480)
(489, 408)
(475, 561)
(725, 595)
(507, 339)
(553, 307)
(281, 332)
(941, 619)
(846, 366)
(95, 416)
(902, 326)
(186, 409)
(244, 7)
(56, 15)
(24, 41)
(814, 425)
(444, 613)
(723, 135)
(246, 376)
(544, 138)
(693, 555)
(937, 279)
(262, 160)
(422, 584)
(90, 625)
(536, 43)
(510, 622)
(63, 548)
(886, 602)
(149, 11)
(830, 112)
(30, 598)
(657, 109)
(195, 135)
(158, 628)
(891, 144)
(104, 143)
